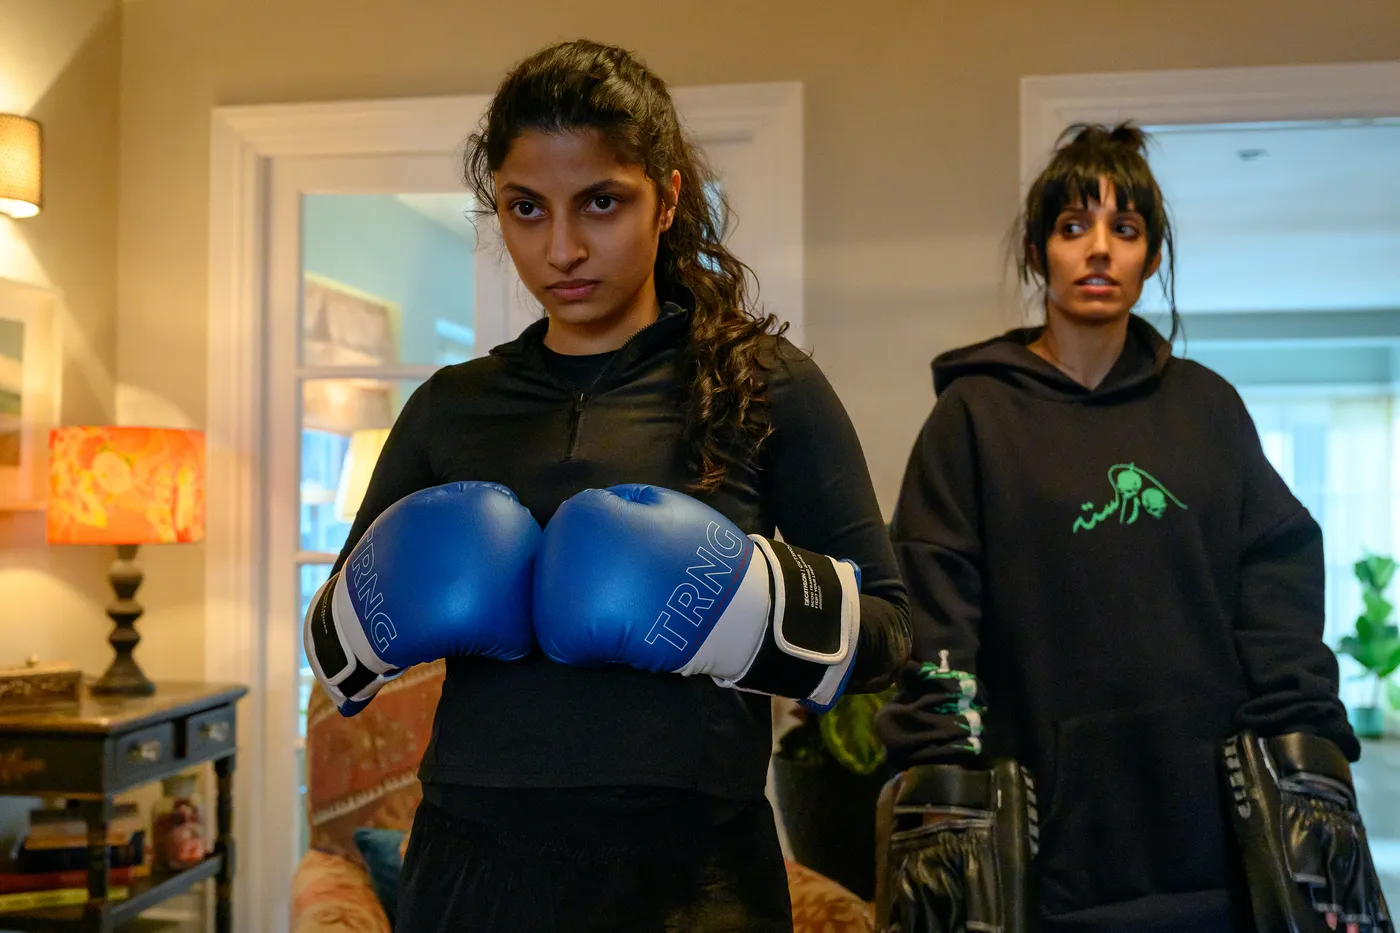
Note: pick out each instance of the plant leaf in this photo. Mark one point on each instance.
(1382, 570)
(848, 729)
(1363, 573)
(1355, 647)
(1374, 571)
(1387, 657)
(1365, 628)
(1378, 608)
(1393, 688)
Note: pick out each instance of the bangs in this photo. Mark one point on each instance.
(1075, 183)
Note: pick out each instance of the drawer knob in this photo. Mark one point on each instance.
(146, 751)
(215, 731)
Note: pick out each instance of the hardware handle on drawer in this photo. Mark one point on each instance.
(146, 751)
(215, 731)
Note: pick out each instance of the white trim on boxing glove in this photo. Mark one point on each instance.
(354, 644)
(764, 618)
(735, 638)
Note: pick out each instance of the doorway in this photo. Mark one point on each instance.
(344, 269)
(1282, 187)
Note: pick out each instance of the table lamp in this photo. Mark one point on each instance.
(125, 486)
(360, 458)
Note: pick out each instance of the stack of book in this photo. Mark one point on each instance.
(48, 867)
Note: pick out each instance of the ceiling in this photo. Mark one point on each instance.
(447, 210)
(1282, 217)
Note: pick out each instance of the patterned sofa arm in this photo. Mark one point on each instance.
(331, 894)
(820, 905)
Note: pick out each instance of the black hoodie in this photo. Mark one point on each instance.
(1130, 581)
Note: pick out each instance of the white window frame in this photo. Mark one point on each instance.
(1049, 103)
(245, 144)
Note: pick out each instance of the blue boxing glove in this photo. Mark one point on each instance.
(444, 571)
(653, 578)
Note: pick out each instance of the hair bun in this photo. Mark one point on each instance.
(1125, 135)
(1130, 136)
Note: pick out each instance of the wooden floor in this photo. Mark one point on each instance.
(1377, 778)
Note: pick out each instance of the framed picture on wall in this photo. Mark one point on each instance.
(343, 326)
(31, 380)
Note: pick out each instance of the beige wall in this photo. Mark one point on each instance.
(60, 63)
(911, 153)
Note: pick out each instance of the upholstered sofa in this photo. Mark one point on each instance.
(361, 775)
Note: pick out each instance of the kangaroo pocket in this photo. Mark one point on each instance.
(1136, 806)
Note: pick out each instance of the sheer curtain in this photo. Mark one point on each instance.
(1338, 453)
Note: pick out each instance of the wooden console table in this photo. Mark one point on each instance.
(90, 750)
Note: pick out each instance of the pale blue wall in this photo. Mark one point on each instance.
(1296, 348)
(378, 245)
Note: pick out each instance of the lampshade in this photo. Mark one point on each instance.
(125, 485)
(21, 174)
(360, 459)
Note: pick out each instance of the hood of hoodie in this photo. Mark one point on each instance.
(1146, 353)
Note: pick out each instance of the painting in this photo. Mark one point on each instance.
(342, 326)
(30, 384)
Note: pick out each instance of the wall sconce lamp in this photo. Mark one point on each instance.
(21, 174)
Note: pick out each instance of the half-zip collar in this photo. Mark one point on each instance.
(669, 328)
(629, 360)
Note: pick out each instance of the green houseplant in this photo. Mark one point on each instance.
(1375, 644)
(827, 775)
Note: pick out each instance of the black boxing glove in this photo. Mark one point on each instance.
(1304, 846)
(953, 851)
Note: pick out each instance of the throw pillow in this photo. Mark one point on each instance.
(382, 851)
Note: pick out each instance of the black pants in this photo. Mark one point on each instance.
(637, 863)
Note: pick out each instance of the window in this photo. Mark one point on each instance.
(387, 298)
(1337, 450)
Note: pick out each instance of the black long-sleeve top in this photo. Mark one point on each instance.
(549, 426)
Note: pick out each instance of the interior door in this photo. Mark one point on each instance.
(377, 276)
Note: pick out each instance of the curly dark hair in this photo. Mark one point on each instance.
(1071, 178)
(583, 85)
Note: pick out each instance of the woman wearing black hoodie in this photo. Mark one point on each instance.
(1106, 576)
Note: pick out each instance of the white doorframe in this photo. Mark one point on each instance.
(245, 143)
(1219, 95)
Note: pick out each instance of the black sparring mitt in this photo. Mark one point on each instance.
(1304, 847)
(953, 850)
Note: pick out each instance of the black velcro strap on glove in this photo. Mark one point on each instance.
(330, 654)
(813, 623)
(1304, 846)
(954, 848)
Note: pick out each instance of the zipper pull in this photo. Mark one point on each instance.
(575, 417)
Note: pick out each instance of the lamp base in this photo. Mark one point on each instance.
(124, 676)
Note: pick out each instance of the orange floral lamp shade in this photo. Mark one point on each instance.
(125, 485)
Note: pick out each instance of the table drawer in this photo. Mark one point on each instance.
(143, 754)
(34, 765)
(210, 734)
